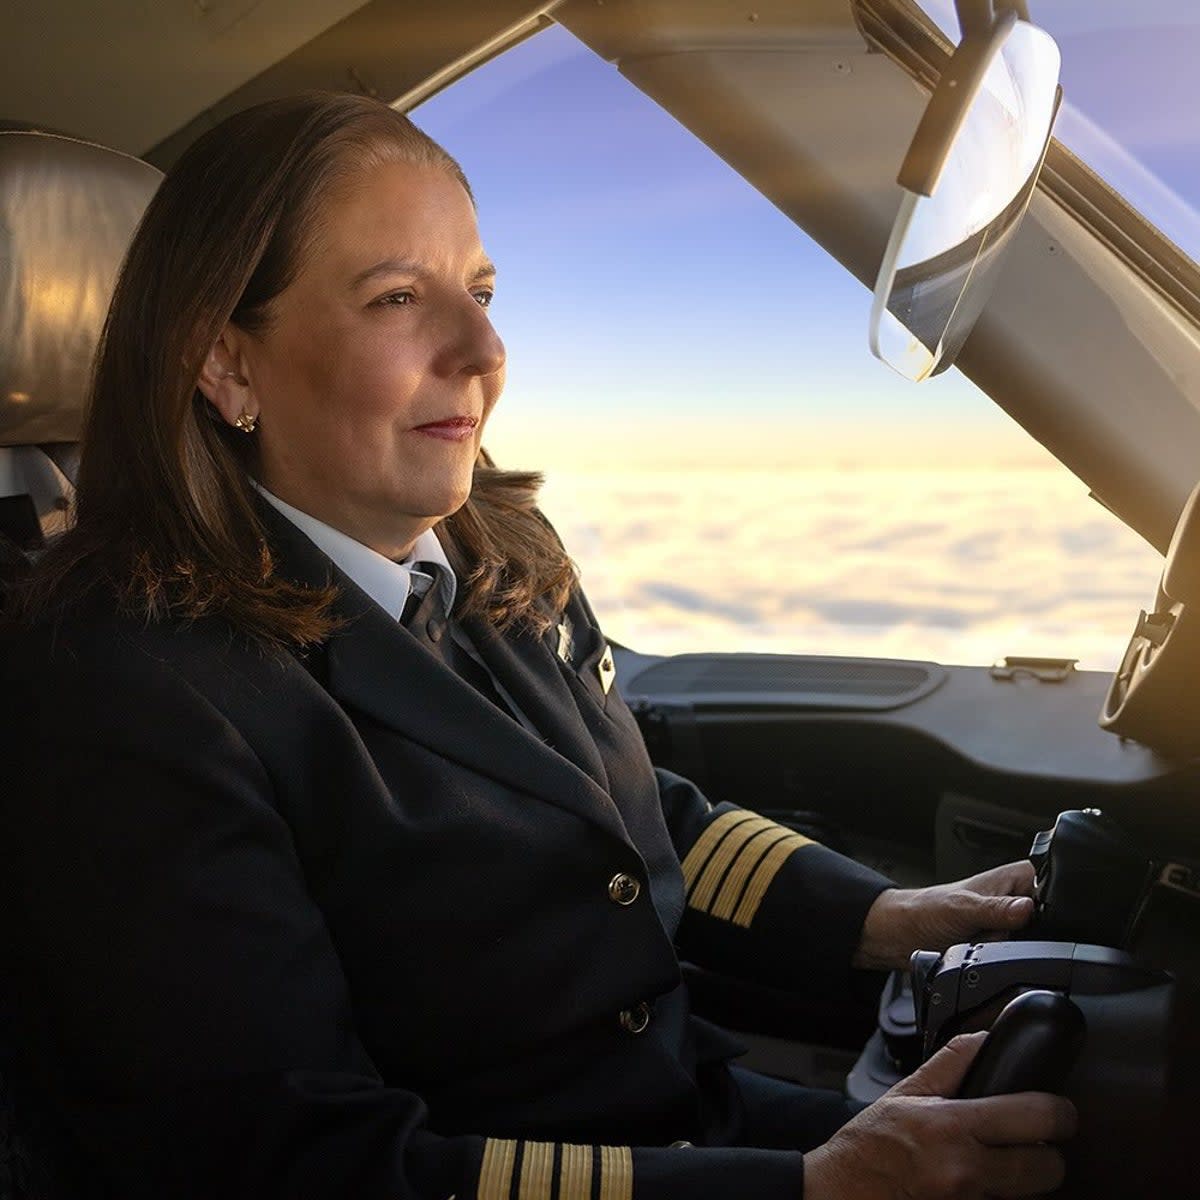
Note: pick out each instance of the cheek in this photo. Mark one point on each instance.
(344, 380)
(297, 370)
(378, 371)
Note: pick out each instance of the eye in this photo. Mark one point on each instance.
(484, 297)
(397, 298)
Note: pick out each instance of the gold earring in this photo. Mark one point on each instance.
(246, 422)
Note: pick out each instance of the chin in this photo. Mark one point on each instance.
(443, 502)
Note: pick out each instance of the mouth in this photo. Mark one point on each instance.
(449, 429)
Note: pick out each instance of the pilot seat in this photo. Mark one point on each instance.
(68, 210)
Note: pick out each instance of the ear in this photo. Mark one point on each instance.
(224, 378)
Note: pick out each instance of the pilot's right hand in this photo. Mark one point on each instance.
(917, 1143)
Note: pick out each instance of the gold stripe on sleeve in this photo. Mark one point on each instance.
(708, 841)
(616, 1173)
(575, 1173)
(735, 882)
(764, 875)
(496, 1170)
(537, 1171)
(705, 891)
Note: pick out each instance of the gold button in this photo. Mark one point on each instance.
(624, 889)
(635, 1019)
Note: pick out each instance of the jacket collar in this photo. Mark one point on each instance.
(387, 582)
(376, 667)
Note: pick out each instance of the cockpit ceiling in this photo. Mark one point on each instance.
(147, 78)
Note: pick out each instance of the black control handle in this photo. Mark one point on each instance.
(1031, 1047)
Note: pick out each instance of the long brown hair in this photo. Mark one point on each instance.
(165, 515)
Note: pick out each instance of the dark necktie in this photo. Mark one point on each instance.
(426, 619)
(423, 578)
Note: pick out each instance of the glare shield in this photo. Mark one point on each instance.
(946, 248)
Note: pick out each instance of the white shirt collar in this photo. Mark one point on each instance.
(388, 583)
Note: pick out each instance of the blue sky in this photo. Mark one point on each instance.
(656, 307)
(647, 292)
(1154, 117)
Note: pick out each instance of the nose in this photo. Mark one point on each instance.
(472, 346)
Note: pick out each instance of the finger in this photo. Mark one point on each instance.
(999, 912)
(1020, 1118)
(943, 1074)
(1022, 1170)
(1012, 879)
(967, 916)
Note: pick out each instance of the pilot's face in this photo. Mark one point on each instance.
(379, 366)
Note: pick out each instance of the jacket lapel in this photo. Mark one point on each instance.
(535, 679)
(375, 666)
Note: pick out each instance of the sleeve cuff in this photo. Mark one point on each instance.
(580, 1172)
(706, 1173)
(766, 903)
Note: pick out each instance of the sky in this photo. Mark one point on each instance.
(725, 459)
(656, 307)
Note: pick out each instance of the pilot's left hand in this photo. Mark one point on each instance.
(984, 908)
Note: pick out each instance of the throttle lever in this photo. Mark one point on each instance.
(1032, 1046)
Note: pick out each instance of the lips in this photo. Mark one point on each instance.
(452, 423)
(450, 429)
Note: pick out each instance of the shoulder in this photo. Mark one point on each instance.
(101, 665)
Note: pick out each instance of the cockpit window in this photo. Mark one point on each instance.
(1129, 79)
(726, 462)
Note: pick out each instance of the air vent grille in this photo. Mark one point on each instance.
(793, 681)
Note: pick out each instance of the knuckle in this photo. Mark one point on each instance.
(958, 1180)
(1055, 1115)
(904, 1111)
(1050, 1169)
(1034, 1170)
(940, 1127)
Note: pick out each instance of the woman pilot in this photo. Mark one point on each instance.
(338, 867)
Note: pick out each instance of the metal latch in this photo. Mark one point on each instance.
(1048, 670)
(1155, 626)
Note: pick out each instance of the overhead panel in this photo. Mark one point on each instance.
(392, 49)
(126, 73)
(148, 77)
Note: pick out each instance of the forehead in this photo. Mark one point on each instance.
(416, 212)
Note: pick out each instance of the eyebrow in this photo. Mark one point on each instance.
(406, 266)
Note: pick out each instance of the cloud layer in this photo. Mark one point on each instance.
(954, 566)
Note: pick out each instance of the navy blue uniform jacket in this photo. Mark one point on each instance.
(339, 927)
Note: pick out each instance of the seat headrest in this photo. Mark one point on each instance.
(68, 210)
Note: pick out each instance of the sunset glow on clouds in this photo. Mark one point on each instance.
(953, 566)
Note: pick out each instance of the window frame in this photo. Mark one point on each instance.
(912, 40)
